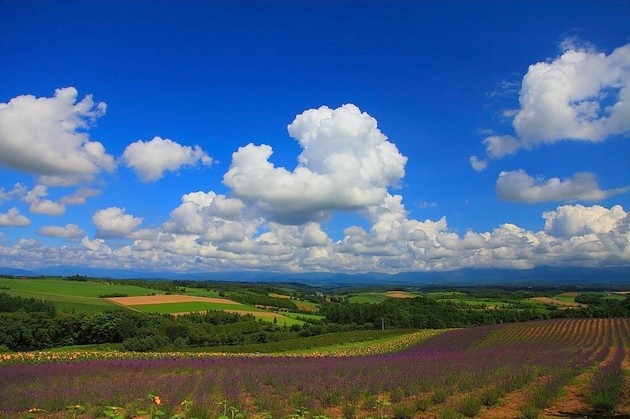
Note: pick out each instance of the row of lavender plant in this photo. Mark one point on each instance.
(607, 387)
(459, 361)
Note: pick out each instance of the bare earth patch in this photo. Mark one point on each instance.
(162, 299)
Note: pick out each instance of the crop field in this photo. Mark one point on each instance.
(177, 304)
(378, 297)
(306, 306)
(302, 305)
(64, 294)
(559, 302)
(563, 367)
(275, 295)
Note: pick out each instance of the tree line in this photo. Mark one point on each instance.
(29, 324)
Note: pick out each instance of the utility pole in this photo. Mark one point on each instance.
(382, 323)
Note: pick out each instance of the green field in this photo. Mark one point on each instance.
(570, 296)
(566, 296)
(445, 294)
(201, 292)
(304, 316)
(367, 297)
(80, 296)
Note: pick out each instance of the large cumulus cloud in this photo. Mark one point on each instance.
(346, 163)
(581, 95)
(578, 220)
(46, 136)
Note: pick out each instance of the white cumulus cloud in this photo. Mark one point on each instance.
(13, 218)
(199, 211)
(574, 220)
(346, 163)
(478, 164)
(113, 222)
(519, 186)
(581, 95)
(38, 205)
(47, 136)
(69, 231)
(150, 159)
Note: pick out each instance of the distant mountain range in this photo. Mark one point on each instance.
(618, 277)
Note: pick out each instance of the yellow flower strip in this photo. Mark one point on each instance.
(390, 345)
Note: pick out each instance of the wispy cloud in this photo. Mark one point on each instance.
(69, 231)
(519, 186)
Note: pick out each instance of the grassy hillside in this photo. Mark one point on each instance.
(81, 296)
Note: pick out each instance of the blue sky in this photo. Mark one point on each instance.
(314, 136)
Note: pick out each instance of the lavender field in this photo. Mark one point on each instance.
(570, 366)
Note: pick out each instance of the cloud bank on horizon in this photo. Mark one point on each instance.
(340, 207)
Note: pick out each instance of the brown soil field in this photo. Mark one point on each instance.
(287, 297)
(557, 302)
(162, 299)
(255, 313)
(305, 307)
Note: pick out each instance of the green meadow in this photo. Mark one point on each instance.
(368, 297)
(80, 296)
(202, 292)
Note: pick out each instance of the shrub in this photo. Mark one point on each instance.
(349, 411)
(450, 414)
(606, 393)
(422, 404)
(530, 412)
(491, 396)
(440, 395)
(403, 411)
(470, 406)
